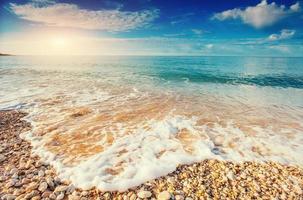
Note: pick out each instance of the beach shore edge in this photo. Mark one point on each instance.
(24, 176)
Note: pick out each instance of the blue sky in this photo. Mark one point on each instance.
(152, 27)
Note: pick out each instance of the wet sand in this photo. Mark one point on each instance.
(23, 176)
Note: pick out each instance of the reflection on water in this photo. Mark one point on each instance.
(115, 122)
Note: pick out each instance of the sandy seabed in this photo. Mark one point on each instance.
(24, 176)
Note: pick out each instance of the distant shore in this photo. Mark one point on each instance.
(5, 54)
(23, 176)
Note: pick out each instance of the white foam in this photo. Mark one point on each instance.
(141, 163)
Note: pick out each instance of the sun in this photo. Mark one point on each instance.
(59, 42)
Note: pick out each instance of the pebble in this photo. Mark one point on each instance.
(28, 164)
(144, 194)
(11, 183)
(15, 176)
(42, 187)
(13, 171)
(61, 188)
(179, 197)
(50, 182)
(41, 173)
(9, 197)
(60, 196)
(36, 198)
(133, 197)
(25, 181)
(31, 194)
(165, 195)
(2, 158)
(70, 189)
(230, 175)
(297, 189)
(32, 186)
(46, 194)
(73, 197)
(52, 196)
(85, 193)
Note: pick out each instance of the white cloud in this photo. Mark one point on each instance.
(197, 31)
(261, 15)
(295, 7)
(70, 15)
(284, 34)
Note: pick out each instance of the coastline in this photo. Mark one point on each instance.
(23, 176)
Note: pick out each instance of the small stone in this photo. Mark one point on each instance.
(15, 176)
(17, 192)
(28, 164)
(36, 198)
(179, 197)
(9, 197)
(171, 180)
(20, 197)
(13, 171)
(46, 194)
(42, 187)
(32, 186)
(41, 173)
(11, 183)
(48, 172)
(297, 189)
(61, 188)
(39, 163)
(52, 196)
(70, 189)
(2, 178)
(57, 180)
(144, 194)
(60, 196)
(2, 158)
(230, 175)
(165, 195)
(50, 182)
(84, 193)
(25, 181)
(73, 197)
(31, 194)
(133, 197)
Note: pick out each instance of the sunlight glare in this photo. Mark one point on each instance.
(59, 42)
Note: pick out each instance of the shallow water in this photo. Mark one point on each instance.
(116, 122)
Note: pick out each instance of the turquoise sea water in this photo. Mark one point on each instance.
(201, 74)
(159, 111)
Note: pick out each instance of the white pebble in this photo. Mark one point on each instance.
(144, 194)
(165, 195)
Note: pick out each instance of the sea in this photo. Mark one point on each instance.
(114, 122)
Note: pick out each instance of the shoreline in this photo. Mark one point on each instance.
(23, 176)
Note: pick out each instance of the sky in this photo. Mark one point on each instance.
(152, 27)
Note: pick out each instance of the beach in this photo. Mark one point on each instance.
(151, 100)
(25, 176)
